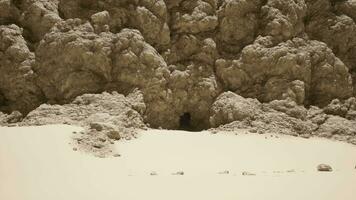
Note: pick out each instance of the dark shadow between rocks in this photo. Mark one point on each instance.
(185, 123)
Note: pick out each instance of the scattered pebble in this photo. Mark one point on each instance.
(101, 139)
(306, 136)
(291, 171)
(114, 134)
(116, 155)
(153, 174)
(74, 132)
(248, 174)
(98, 146)
(96, 126)
(178, 173)
(324, 168)
(225, 172)
(75, 149)
(101, 156)
(253, 130)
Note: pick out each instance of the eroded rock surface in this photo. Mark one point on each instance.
(271, 65)
(105, 117)
(232, 112)
(18, 88)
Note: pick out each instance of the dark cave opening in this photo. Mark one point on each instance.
(185, 123)
(3, 104)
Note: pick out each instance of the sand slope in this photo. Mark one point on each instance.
(38, 163)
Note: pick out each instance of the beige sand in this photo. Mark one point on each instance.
(37, 163)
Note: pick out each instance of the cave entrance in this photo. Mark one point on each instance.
(185, 122)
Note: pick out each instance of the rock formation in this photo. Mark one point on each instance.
(213, 62)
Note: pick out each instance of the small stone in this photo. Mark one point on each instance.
(98, 146)
(248, 174)
(96, 126)
(74, 132)
(75, 149)
(225, 172)
(260, 132)
(114, 134)
(253, 130)
(179, 173)
(306, 136)
(101, 139)
(116, 155)
(101, 156)
(324, 168)
(153, 174)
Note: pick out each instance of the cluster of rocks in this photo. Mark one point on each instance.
(183, 56)
(106, 118)
(231, 112)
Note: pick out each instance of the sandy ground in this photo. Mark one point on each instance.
(38, 163)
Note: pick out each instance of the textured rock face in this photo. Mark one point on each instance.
(283, 19)
(333, 22)
(38, 16)
(81, 63)
(306, 71)
(148, 16)
(231, 111)
(230, 107)
(183, 56)
(18, 89)
(8, 12)
(243, 14)
(114, 111)
(193, 16)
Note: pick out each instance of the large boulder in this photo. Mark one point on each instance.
(72, 60)
(333, 22)
(299, 69)
(283, 19)
(230, 107)
(18, 88)
(238, 24)
(38, 17)
(114, 110)
(338, 128)
(9, 13)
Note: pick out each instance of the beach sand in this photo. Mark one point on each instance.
(39, 163)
